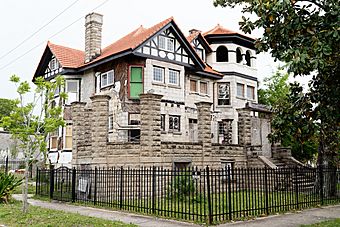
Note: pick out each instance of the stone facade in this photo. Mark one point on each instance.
(93, 36)
(91, 146)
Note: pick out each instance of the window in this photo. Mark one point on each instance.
(223, 96)
(136, 82)
(158, 74)
(222, 54)
(174, 123)
(72, 90)
(238, 55)
(173, 77)
(203, 87)
(240, 90)
(166, 43)
(107, 79)
(163, 122)
(54, 140)
(228, 167)
(110, 122)
(181, 166)
(193, 85)
(248, 58)
(134, 119)
(57, 91)
(68, 137)
(53, 64)
(250, 92)
(225, 132)
(134, 135)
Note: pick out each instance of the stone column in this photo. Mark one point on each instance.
(99, 128)
(244, 127)
(204, 129)
(78, 138)
(150, 130)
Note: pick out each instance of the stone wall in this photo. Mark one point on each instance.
(91, 146)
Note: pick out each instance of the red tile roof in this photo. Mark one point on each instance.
(220, 30)
(67, 57)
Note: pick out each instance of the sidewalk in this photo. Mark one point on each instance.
(309, 216)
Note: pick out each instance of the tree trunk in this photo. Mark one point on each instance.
(25, 187)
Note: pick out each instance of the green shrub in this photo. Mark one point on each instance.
(182, 186)
(8, 183)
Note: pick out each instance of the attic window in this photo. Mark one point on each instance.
(53, 64)
(166, 43)
(106, 79)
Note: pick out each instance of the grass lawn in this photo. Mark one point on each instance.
(332, 223)
(11, 215)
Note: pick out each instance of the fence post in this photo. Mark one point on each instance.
(296, 188)
(266, 190)
(153, 189)
(210, 218)
(73, 184)
(6, 165)
(229, 193)
(51, 181)
(321, 183)
(37, 182)
(121, 188)
(95, 187)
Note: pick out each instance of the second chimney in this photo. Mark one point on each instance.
(93, 36)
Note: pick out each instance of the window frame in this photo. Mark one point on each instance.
(178, 77)
(253, 92)
(110, 128)
(78, 81)
(196, 82)
(218, 93)
(207, 87)
(166, 43)
(129, 80)
(107, 83)
(172, 127)
(237, 91)
(67, 135)
(153, 74)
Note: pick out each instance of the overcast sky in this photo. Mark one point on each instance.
(20, 19)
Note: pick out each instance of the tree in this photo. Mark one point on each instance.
(6, 107)
(31, 122)
(292, 125)
(305, 35)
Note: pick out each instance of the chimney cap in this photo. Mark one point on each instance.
(94, 17)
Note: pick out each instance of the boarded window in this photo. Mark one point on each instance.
(54, 140)
(223, 96)
(136, 82)
(193, 85)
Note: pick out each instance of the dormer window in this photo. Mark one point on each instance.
(106, 79)
(166, 43)
(200, 53)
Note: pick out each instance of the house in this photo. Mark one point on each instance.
(216, 67)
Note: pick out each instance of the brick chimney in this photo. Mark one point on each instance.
(93, 36)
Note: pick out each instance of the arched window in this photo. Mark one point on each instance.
(238, 55)
(248, 58)
(222, 54)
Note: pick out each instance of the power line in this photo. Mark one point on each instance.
(29, 37)
(24, 54)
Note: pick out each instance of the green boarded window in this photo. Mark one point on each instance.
(136, 82)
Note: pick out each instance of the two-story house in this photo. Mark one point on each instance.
(216, 66)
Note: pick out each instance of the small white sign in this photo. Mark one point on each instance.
(82, 185)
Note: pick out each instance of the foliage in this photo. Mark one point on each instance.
(8, 184)
(305, 35)
(10, 215)
(291, 122)
(30, 122)
(182, 185)
(6, 107)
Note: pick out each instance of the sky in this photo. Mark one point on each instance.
(21, 19)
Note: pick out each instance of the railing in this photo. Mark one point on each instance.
(7, 164)
(200, 195)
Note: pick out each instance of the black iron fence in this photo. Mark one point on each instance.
(7, 164)
(200, 195)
